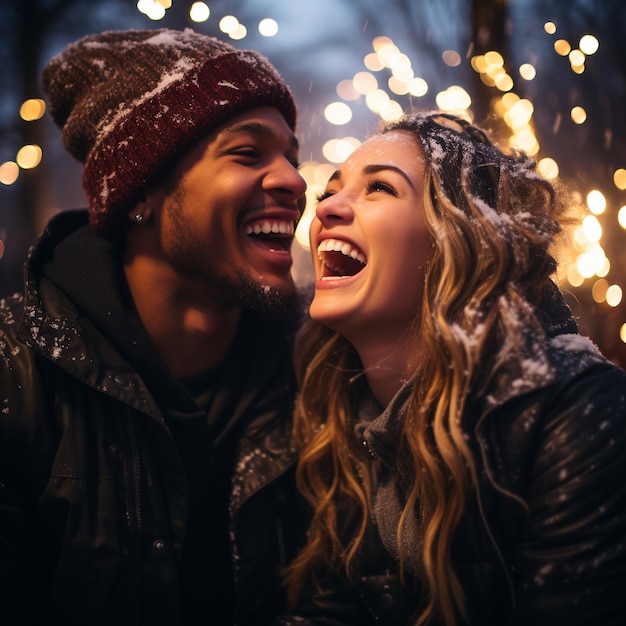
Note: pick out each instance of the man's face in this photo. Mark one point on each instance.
(226, 220)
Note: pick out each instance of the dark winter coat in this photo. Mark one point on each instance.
(543, 538)
(94, 495)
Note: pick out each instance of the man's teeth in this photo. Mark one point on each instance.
(347, 249)
(267, 227)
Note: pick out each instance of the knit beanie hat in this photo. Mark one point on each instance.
(129, 103)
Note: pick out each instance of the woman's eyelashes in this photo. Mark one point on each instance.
(378, 185)
(372, 186)
(320, 197)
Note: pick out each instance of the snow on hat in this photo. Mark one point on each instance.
(130, 102)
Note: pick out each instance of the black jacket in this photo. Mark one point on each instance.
(95, 501)
(543, 537)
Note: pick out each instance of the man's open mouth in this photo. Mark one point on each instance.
(273, 233)
(340, 258)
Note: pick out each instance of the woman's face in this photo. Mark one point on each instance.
(370, 242)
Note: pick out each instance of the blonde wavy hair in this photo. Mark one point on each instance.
(493, 221)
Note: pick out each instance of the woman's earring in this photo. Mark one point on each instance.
(138, 217)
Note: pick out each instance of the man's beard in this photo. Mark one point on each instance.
(270, 302)
(238, 289)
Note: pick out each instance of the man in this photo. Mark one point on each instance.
(145, 377)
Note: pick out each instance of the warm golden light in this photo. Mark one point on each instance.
(621, 217)
(509, 99)
(493, 59)
(562, 47)
(338, 150)
(152, 9)
(199, 12)
(228, 24)
(576, 58)
(28, 156)
(9, 172)
(614, 295)
(574, 277)
(372, 62)
(387, 54)
(548, 168)
(479, 63)
(596, 202)
(588, 44)
(346, 91)
(417, 87)
(32, 109)
(578, 115)
(338, 113)
(316, 176)
(376, 100)
(402, 72)
(524, 139)
(504, 82)
(391, 111)
(550, 28)
(599, 289)
(619, 178)
(592, 228)
(364, 82)
(527, 71)
(238, 33)
(622, 332)
(381, 41)
(397, 86)
(454, 98)
(591, 262)
(519, 114)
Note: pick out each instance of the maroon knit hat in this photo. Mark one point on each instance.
(129, 103)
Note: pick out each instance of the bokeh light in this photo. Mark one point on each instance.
(32, 109)
(28, 156)
(338, 113)
(268, 27)
(9, 172)
(199, 12)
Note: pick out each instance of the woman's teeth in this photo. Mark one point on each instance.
(340, 258)
(347, 249)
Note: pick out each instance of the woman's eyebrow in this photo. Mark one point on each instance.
(335, 176)
(375, 168)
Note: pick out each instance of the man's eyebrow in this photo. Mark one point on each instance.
(257, 128)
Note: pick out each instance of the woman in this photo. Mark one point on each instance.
(462, 447)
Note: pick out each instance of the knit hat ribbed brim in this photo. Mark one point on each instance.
(129, 103)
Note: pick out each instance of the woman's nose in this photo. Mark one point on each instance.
(334, 209)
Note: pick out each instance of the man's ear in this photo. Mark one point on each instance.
(141, 212)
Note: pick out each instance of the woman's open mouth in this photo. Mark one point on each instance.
(340, 259)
